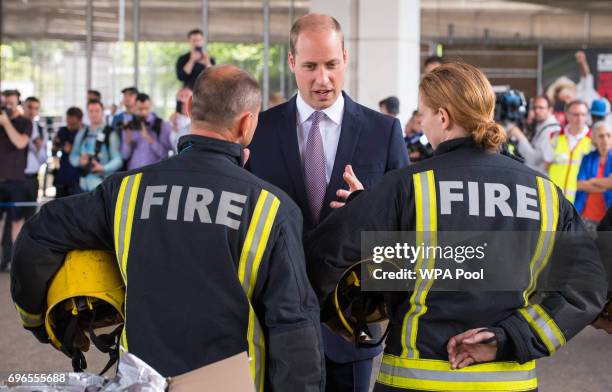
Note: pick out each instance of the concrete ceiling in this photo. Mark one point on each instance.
(161, 20)
(550, 22)
(599, 6)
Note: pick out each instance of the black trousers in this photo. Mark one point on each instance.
(31, 187)
(348, 377)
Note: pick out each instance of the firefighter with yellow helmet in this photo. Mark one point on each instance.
(440, 340)
(211, 256)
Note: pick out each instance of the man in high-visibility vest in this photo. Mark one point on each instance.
(569, 146)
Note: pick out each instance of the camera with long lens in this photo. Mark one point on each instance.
(511, 110)
(7, 110)
(132, 125)
(100, 140)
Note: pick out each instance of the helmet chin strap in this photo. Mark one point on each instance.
(78, 359)
(106, 343)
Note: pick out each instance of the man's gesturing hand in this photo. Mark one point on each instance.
(354, 185)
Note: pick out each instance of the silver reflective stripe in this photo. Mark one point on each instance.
(258, 340)
(29, 319)
(458, 376)
(424, 233)
(250, 260)
(548, 214)
(123, 222)
(267, 206)
(545, 327)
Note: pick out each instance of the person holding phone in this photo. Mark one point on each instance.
(181, 123)
(191, 64)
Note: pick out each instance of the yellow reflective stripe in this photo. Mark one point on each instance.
(118, 211)
(124, 219)
(437, 375)
(262, 244)
(29, 320)
(130, 220)
(549, 216)
(257, 349)
(426, 227)
(249, 237)
(251, 255)
(545, 327)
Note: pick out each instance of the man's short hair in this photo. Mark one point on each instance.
(194, 32)
(223, 92)
(95, 102)
(313, 22)
(74, 112)
(32, 99)
(544, 98)
(433, 60)
(142, 97)
(96, 93)
(391, 104)
(130, 90)
(11, 93)
(575, 102)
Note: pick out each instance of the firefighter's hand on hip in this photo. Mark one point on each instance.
(470, 347)
(353, 183)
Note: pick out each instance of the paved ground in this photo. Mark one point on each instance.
(585, 365)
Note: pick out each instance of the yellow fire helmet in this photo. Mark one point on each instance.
(355, 310)
(86, 293)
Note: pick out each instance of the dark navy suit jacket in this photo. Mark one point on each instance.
(371, 142)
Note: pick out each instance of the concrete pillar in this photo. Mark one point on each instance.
(383, 43)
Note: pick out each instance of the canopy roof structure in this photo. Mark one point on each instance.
(562, 22)
(160, 20)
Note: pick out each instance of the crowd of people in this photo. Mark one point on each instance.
(565, 136)
(92, 145)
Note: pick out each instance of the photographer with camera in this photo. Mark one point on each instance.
(534, 145)
(191, 64)
(416, 141)
(146, 140)
(180, 120)
(37, 153)
(66, 177)
(128, 100)
(96, 149)
(15, 132)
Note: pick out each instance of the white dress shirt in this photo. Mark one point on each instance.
(36, 157)
(330, 126)
(572, 140)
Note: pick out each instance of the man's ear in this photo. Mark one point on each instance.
(189, 106)
(345, 56)
(291, 62)
(245, 124)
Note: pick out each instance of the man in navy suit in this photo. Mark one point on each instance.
(304, 145)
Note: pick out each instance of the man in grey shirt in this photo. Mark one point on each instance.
(535, 146)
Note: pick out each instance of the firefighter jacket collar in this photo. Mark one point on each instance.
(454, 144)
(202, 143)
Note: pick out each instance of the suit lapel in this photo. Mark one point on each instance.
(287, 133)
(349, 136)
